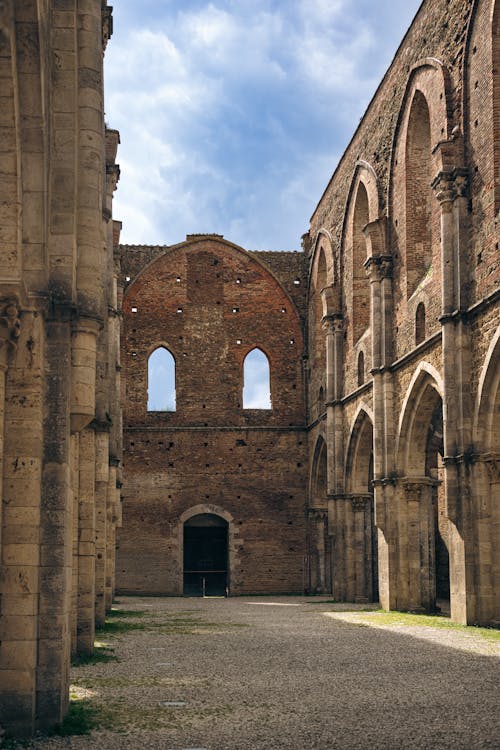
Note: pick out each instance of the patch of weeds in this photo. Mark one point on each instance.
(102, 653)
(82, 718)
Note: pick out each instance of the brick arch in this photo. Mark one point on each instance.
(487, 411)
(424, 393)
(202, 508)
(359, 451)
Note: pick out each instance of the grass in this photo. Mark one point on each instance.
(82, 718)
(382, 617)
(102, 654)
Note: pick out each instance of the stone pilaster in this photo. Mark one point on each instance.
(451, 189)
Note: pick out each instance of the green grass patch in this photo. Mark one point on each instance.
(82, 718)
(382, 617)
(114, 627)
(102, 654)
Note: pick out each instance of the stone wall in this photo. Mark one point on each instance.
(60, 429)
(413, 206)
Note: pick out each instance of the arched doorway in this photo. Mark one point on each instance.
(205, 564)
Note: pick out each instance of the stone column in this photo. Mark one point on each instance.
(451, 191)
(101, 514)
(417, 564)
(317, 544)
(363, 557)
(57, 526)
(86, 544)
(334, 337)
(379, 270)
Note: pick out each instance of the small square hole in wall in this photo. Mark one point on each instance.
(236, 309)
(178, 279)
(292, 341)
(283, 309)
(238, 341)
(134, 354)
(134, 309)
(127, 278)
(238, 280)
(179, 310)
(296, 282)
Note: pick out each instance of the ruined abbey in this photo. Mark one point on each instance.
(133, 455)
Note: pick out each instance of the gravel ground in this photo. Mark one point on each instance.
(263, 673)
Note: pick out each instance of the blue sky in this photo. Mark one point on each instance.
(234, 113)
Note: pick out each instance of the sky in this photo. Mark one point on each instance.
(233, 114)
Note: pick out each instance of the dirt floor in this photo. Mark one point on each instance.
(262, 673)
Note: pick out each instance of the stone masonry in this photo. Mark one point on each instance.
(60, 426)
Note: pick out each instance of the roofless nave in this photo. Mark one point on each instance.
(375, 470)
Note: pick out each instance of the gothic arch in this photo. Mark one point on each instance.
(359, 451)
(424, 393)
(487, 411)
(362, 211)
(319, 470)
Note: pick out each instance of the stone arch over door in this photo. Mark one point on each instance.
(201, 510)
(361, 533)
(318, 545)
(423, 526)
(486, 473)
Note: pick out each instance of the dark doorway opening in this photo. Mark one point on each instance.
(205, 556)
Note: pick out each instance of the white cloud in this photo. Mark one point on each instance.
(230, 113)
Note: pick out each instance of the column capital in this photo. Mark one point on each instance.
(360, 502)
(450, 184)
(378, 267)
(333, 323)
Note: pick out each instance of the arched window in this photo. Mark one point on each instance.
(161, 380)
(419, 196)
(256, 381)
(420, 323)
(360, 282)
(361, 368)
(321, 401)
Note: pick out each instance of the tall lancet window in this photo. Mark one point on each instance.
(161, 380)
(256, 381)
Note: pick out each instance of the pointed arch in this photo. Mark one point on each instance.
(256, 380)
(420, 406)
(319, 483)
(359, 463)
(360, 281)
(161, 380)
(487, 411)
(418, 192)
